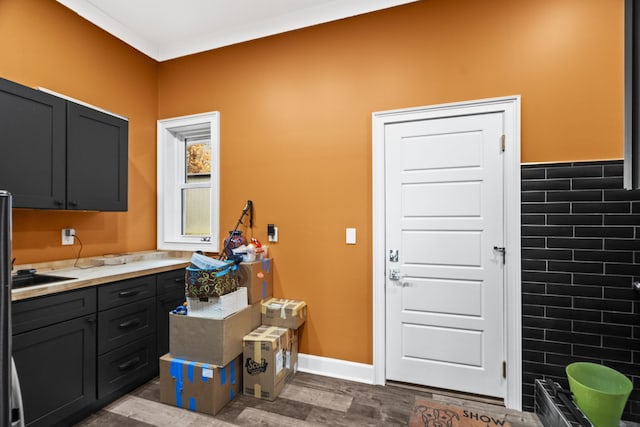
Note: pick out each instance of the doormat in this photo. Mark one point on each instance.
(428, 413)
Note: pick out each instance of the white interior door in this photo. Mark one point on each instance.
(444, 221)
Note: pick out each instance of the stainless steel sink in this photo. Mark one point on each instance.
(32, 279)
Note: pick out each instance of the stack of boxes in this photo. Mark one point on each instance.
(203, 370)
(271, 351)
(245, 336)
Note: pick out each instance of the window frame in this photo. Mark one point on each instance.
(171, 169)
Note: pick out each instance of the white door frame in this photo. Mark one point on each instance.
(510, 106)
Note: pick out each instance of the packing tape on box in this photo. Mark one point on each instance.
(257, 391)
(223, 375)
(257, 352)
(232, 378)
(190, 371)
(297, 307)
(232, 372)
(283, 305)
(175, 370)
(266, 264)
(262, 334)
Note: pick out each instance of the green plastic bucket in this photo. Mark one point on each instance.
(599, 391)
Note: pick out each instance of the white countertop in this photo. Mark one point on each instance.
(86, 275)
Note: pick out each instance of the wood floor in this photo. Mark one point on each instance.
(308, 400)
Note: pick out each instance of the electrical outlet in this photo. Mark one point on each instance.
(68, 236)
(272, 233)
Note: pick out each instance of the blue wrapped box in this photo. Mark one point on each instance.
(199, 387)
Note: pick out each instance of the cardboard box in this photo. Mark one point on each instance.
(217, 307)
(284, 313)
(265, 361)
(198, 386)
(257, 277)
(291, 362)
(213, 341)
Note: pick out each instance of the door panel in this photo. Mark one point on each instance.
(456, 199)
(451, 150)
(442, 296)
(462, 346)
(444, 213)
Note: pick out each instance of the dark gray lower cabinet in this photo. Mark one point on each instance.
(126, 334)
(76, 351)
(170, 288)
(56, 362)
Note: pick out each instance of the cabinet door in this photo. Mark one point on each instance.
(56, 366)
(32, 146)
(97, 145)
(170, 281)
(170, 290)
(165, 304)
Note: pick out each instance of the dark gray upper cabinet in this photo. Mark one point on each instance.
(32, 146)
(96, 160)
(56, 154)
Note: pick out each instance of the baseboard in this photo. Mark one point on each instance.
(335, 368)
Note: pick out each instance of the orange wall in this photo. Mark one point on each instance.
(296, 122)
(43, 44)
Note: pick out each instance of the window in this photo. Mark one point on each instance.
(188, 182)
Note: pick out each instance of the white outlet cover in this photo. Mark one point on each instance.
(68, 237)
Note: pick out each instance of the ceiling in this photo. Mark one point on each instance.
(167, 29)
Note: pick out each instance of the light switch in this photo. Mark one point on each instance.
(351, 236)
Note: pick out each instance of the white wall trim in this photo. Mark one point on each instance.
(510, 106)
(335, 368)
(152, 44)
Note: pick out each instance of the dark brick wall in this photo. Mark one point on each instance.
(580, 256)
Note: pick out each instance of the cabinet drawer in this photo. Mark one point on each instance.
(126, 291)
(121, 325)
(35, 313)
(170, 282)
(129, 365)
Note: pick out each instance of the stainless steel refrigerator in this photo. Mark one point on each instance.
(10, 398)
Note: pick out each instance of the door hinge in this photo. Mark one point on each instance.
(504, 369)
(502, 143)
